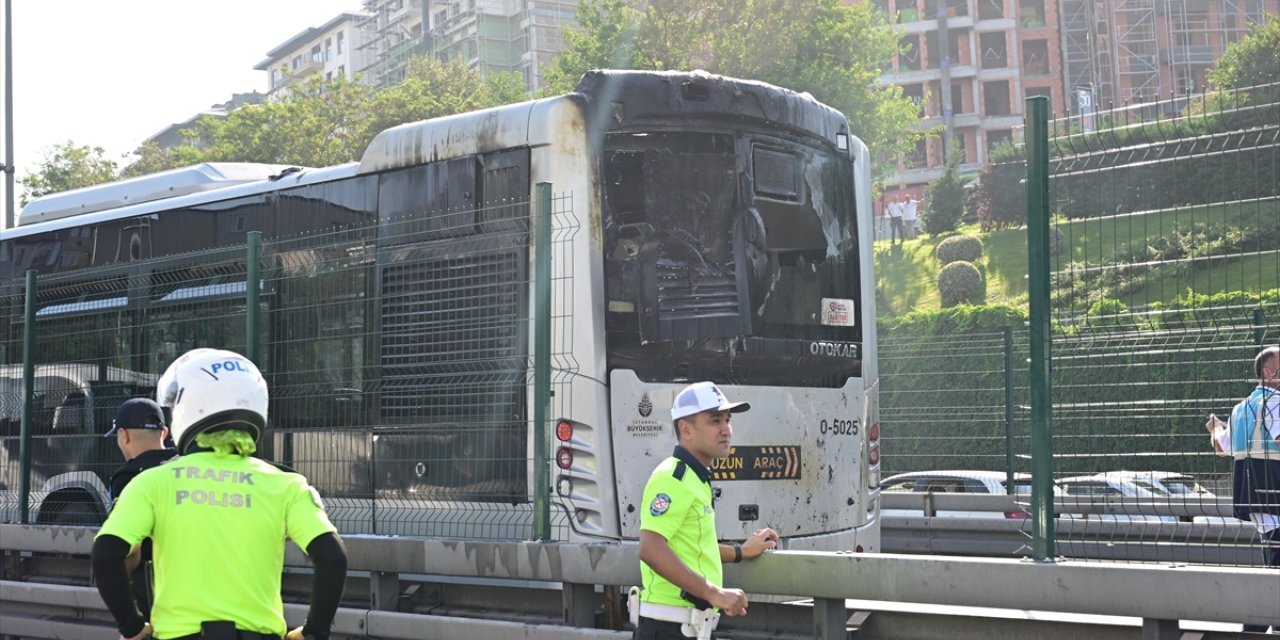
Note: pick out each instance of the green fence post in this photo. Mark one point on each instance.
(28, 399)
(1037, 140)
(253, 276)
(1008, 410)
(541, 361)
(1259, 326)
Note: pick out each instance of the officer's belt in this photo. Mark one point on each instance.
(240, 635)
(668, 613)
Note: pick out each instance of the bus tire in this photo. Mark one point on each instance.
(73, 508)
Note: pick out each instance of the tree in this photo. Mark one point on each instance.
(68, 166)
(432, 89)
(320, 124)
(604, 39)
(317, 124)
(947, 197)
(834, 52)
(1251, 61)
(1002, 189)
(151, 158)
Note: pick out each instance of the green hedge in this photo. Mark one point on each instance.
(1118, 391)
(1163, 174)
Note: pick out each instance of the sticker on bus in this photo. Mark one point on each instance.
(758, 463)
(838, 312)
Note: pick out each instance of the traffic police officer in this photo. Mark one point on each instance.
(679, 552)
(140, 433)
(218, 518)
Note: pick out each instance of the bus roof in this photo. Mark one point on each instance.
(224, 191)
(156, 186)
(522, 124)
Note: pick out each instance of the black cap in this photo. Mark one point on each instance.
(138, 413)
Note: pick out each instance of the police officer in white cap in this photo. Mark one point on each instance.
(683, 591)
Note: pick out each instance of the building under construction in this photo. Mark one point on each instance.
(391, 32)
(519, 36)
(1130, 51)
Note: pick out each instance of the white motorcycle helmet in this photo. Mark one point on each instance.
(210, 390)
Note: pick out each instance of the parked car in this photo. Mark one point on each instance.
(1177, 486)
(1170, 483)
(1117, 485)
(968, 482)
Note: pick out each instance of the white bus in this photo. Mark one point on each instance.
(706, 228)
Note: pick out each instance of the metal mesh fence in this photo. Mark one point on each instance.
(399, 359)
(1165, 260)
(1165, 281)
(947, 402)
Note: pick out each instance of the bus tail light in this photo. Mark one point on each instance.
(564, 431)
(873, 434)
(1016, 515)
(873, 456)
(564, 458)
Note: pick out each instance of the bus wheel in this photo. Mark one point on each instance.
(73, 512)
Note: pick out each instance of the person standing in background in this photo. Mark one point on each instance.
(1251, 436)
(909, 216)
(895, 220)
(140, 433)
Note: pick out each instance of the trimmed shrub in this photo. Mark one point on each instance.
(956, 248)
(961, 283)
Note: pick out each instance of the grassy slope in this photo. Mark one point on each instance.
(906, 275)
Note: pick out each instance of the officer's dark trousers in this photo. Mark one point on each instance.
(650, 629)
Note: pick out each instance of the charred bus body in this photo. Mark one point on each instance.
(710, 228)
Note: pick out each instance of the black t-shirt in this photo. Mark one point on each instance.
(141, 582)
(129, 470)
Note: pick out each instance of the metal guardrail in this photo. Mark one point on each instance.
(1159, 594)
(1091, 528)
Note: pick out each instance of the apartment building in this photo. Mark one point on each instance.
(970, 64)
(500, 35)
(1134, 51)
(173, 136)
(328, 50)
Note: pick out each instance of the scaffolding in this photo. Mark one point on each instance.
(1135, 63)
(390, 33)
(483, 33)
(1197, 34)
(547, 20)
(1141, 50)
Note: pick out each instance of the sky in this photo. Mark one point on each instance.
(111, 73)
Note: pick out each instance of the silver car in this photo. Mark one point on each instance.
(958, 481)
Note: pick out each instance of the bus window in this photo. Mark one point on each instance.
(711, 239)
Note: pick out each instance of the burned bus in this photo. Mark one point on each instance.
(704, 227)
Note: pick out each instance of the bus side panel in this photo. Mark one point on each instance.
(565, 156)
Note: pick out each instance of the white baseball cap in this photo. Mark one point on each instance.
(703, 396)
